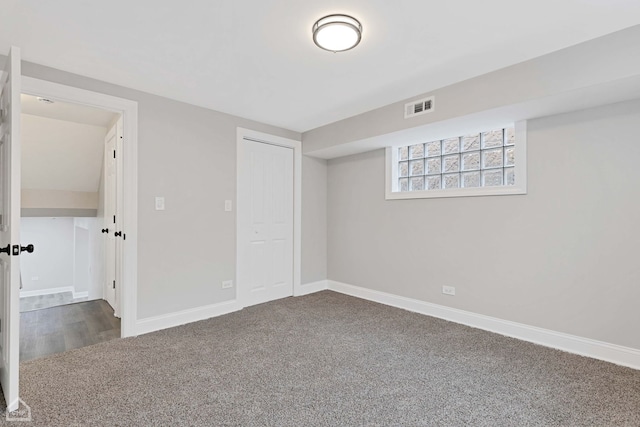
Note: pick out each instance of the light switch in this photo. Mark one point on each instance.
(159, 203)
(228, 206)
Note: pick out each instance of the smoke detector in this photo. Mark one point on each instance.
(44, 100)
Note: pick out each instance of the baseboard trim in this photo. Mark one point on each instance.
(156, 323)
(613, 353)
(84, 294)
(38, 292)
(310, 288)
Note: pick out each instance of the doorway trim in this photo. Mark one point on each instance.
(129, 110)
(296, 145)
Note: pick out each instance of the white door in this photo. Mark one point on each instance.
(10, 228)
(265, 222)
(110, 216)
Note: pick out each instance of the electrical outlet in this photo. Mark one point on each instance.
(228, 205)
(227, 284)
(448, 290)
(34, 278)
(159, 203)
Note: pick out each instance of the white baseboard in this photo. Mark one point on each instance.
(49, 291)
(156, 323)
(310, 288)
(84, 294)
(613, 353)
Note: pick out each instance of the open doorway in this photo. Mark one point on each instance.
(69, 177)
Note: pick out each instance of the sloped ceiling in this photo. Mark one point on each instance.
(256, 58)
(62, 145)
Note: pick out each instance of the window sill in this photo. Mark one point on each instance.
(455, 192)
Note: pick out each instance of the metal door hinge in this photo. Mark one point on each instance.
(114, 284)
(114, 154)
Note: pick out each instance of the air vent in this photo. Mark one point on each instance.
(416, 108)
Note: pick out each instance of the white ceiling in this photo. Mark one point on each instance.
(256, 58)
(66, 111)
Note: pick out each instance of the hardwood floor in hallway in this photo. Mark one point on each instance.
(46, 301)
(57, 329)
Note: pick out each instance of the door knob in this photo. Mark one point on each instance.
(6, 250)
(28, 248)
(105, 230)
(117, 233)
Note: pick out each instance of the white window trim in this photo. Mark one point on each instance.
(391, 176)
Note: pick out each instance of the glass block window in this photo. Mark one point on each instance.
(483, 159)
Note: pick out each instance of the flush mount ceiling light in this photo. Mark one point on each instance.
(337, 33)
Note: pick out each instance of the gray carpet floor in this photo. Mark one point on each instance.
(326, 360)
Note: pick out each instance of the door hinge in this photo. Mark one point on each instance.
(124, 237)
(114, 154)
(114, 284)
(114, 219)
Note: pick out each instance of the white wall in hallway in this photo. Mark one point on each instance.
(51, 264)
(89, 257)
(68, 256)
(81, 268)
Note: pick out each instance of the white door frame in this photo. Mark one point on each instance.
(265, 138)
(129, 110)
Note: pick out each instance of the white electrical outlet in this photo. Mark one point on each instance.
(228, 205)
(227, 284)
(159, 203)
(448, 290)
(34, 278)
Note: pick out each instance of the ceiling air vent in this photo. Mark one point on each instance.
(416, 108)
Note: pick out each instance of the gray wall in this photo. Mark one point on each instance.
(563, 257)
(314, 219)
(188, 155)
(598, 62)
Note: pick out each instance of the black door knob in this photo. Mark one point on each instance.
(105, 230)
(117, 233)
(28, 248)
(6, 250)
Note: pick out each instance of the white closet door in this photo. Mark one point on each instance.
(265, 215)
(109, 216)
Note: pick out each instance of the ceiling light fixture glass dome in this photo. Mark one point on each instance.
(337, 33)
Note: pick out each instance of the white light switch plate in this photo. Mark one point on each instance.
(159, 203)
(448, 290)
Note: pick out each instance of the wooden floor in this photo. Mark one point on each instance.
(45, 301)
(62, 328)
